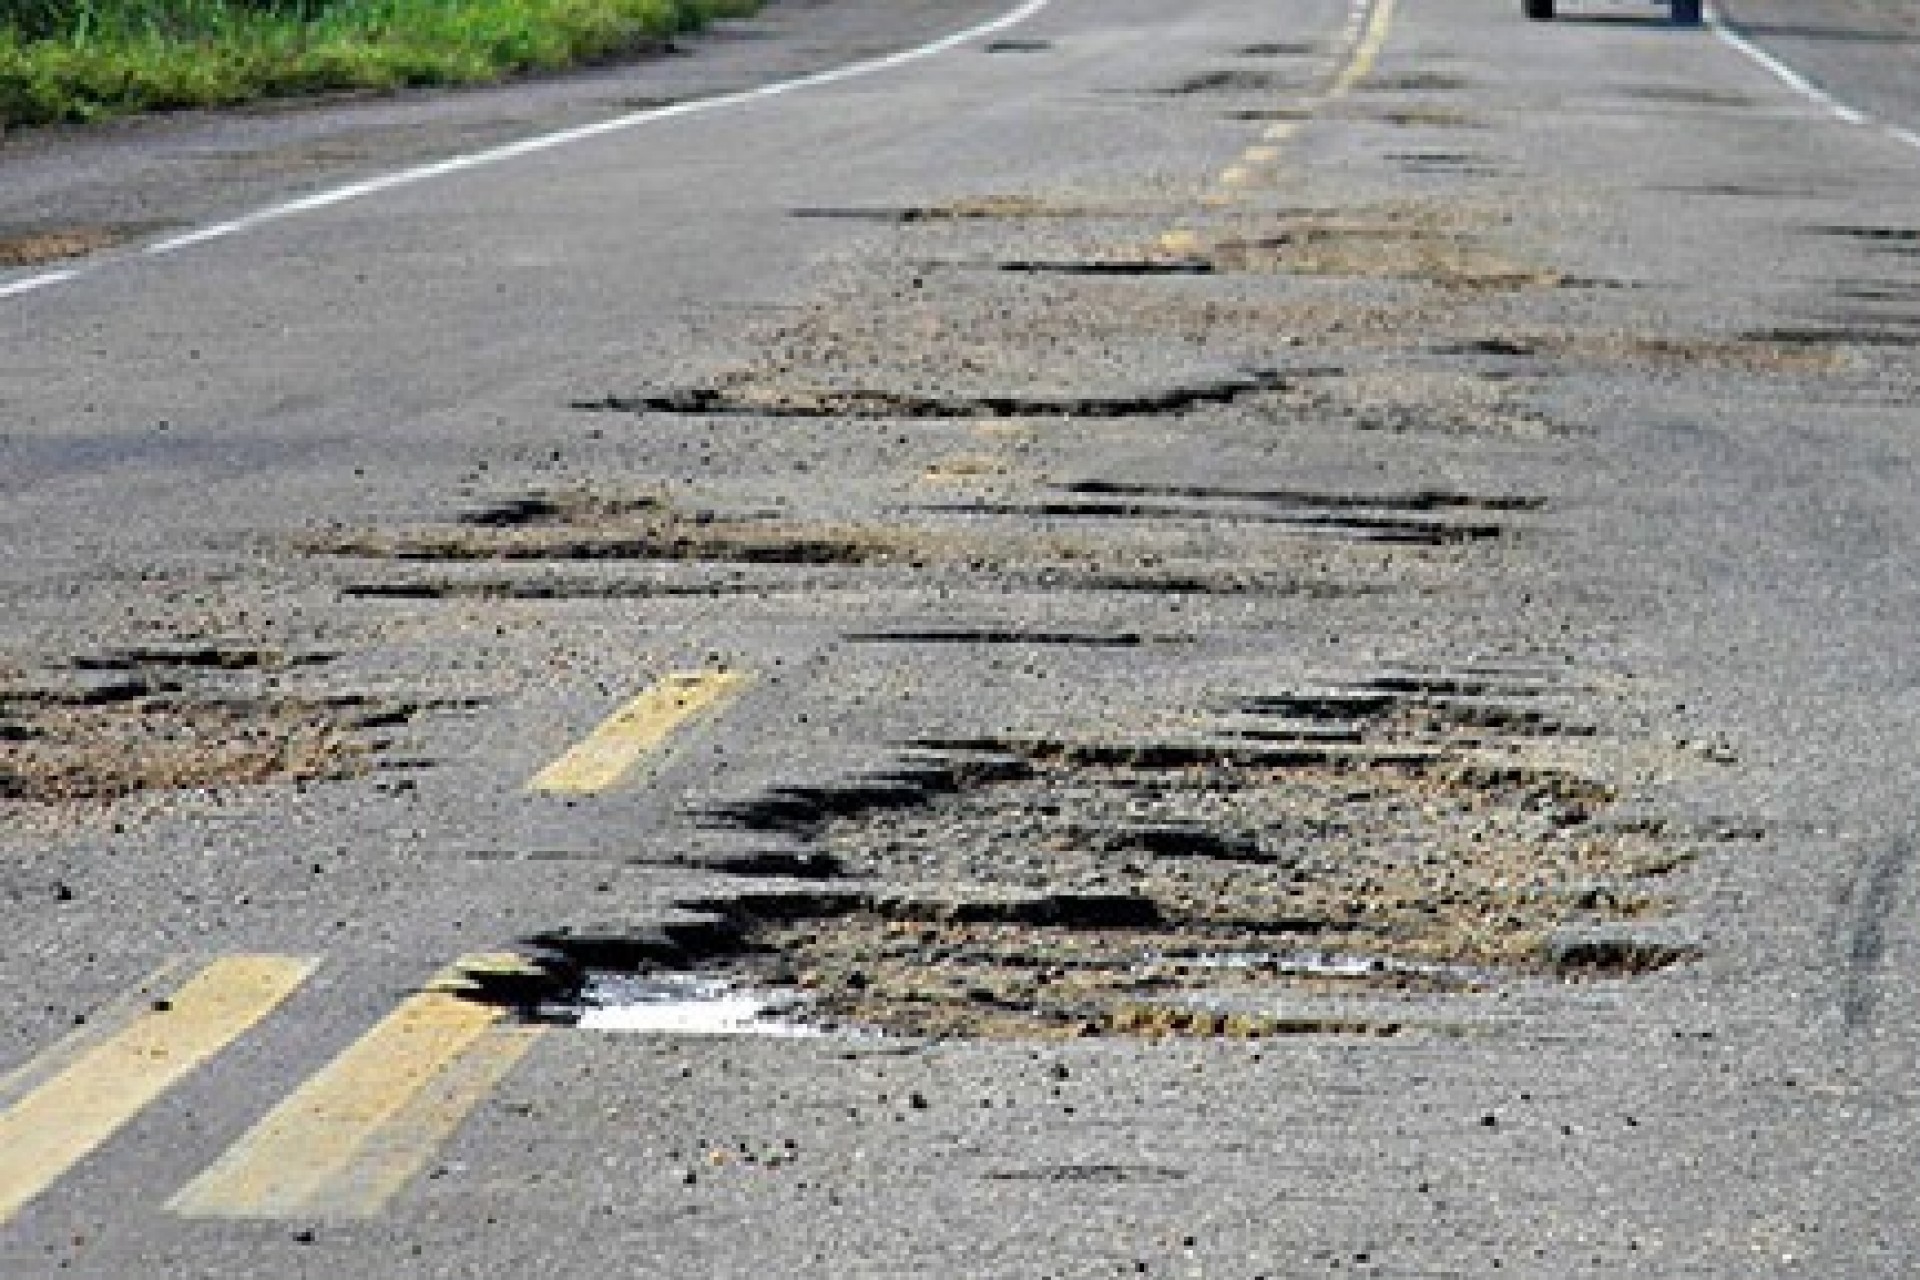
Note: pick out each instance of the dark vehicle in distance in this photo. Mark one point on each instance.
(1685, 13)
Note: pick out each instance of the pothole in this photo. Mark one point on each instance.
(1884, 240)
(1389, 518)
(1687, 95)
(1226, 80)
(1256, 115)
(554, 544)
(1462, 163)
(171, 718)
(1427, 402)
(1901, 291)
(996, 636)
(1407, 242)
(763, 400)
(552, 587)
(1431, 118)
(1406, 836)
(589, 530)
(974, 209)
(1745, 354)
(1822, 337)
(1122, 267)
(1422, 500)
(1418, 82)
(198, 655)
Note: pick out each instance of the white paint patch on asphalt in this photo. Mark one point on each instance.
(544, 142)
(684, 1004)
(1803, 85)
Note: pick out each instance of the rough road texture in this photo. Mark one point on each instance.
(1330, 635)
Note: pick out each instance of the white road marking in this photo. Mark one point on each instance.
(41, 281)
(542, 142)
(1802, 85)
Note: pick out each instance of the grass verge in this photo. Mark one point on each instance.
(62, 60)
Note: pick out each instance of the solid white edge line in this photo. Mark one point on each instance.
(42, 281)
(1800, 84)
(545, 142)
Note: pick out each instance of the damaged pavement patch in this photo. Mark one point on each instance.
(163, 718)
(1404, 835)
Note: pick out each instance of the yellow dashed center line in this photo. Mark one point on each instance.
(606, 755)
(102, 1086)
(1367, 35)
(1180, 241)
(1367, 53)
(356, 1132)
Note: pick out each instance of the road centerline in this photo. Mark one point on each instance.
(636, 730)
(67, 1116)
(358, 1130)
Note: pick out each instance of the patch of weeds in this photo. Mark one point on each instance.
(115, 57)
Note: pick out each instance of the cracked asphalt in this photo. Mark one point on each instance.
(1308, 612)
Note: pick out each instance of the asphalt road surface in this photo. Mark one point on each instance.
(1234, 639)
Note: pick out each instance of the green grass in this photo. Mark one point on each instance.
(91, 59)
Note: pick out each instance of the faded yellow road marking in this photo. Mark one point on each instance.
(1180, 241)
(604, 756)
(99, 1082)
(1369, 38)
(962, 467)
(357, 1131)
(1367, 53)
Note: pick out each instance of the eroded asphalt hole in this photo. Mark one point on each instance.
(171, 717)
(1318, 861)
(802, 402)
(1235, 80)
(974, 209)
(584, 545)
(1110, 267)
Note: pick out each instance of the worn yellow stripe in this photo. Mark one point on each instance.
(1180, 241)
(357, 1131)
(99, 1086)
(100, 1026)
(604, 756)
(1367, 53)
